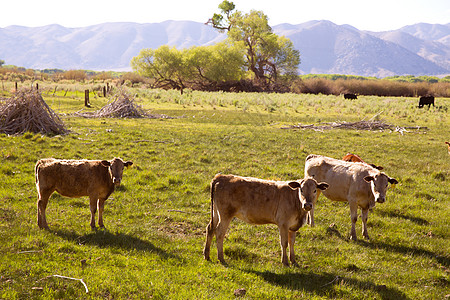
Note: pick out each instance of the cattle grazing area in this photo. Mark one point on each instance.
(156, 219)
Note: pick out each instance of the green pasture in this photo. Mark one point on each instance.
(156, 220)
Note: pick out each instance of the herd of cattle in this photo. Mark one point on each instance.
(423, 100)
(289, 205)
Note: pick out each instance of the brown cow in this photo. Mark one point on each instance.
(355, 158)
(257, 201)
(356, 183)
(448, 145)
(77, 178)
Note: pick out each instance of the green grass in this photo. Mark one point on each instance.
(156, 220)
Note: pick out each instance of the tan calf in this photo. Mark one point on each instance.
(356, 183)
(77, 178)
(257, 201)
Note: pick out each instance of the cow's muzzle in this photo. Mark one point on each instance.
(116, 181)
(380, 199)
(307, 206)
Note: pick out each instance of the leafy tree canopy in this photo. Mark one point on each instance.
(197, 66)
(267, 54)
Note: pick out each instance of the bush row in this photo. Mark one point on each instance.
(327, 84)
(378, 87)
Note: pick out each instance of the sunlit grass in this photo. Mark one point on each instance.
(152, 247)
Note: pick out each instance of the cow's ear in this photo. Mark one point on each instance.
(128, 164)
(392, 181)
(376, 167)
(294, 185)
(368, 178)
(322, 186)
(105, 163)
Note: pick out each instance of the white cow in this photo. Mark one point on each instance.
(356, 183)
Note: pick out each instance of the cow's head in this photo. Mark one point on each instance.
(307, 189)
(116, 167)
(379, 184)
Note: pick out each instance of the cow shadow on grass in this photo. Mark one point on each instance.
(443, 260)
(325, 285)
(104, 238)
(395, 214)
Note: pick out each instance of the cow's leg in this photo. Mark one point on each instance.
(43, 196)
(354, 218)
(93, 207)
(284, 240)
(101, 206)
(291, 248)
(221, 229)
(364, 217)
(210, 231)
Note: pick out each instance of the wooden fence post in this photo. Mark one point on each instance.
(104, 91)
(86, 98)
(16, 86)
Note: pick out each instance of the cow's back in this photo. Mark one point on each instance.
(73, 178)
(343, 177)
(252, 200)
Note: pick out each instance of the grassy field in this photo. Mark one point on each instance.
(152, 247)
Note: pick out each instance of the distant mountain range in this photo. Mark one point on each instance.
(326, 48)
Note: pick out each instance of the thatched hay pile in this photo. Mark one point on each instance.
(121, 105)
(26, 111)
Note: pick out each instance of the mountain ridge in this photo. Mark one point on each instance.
(420, 49)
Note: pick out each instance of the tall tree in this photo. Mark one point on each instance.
(267, 54)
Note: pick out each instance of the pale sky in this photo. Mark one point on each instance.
(375, 15)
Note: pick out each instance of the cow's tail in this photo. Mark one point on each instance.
(213, 188)
(211, 228)
(36, 170)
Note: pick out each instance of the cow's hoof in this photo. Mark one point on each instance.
(353, 238)
(206, 255)
(223, 262)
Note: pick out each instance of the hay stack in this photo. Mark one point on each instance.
(121, 105)
(26, 111)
